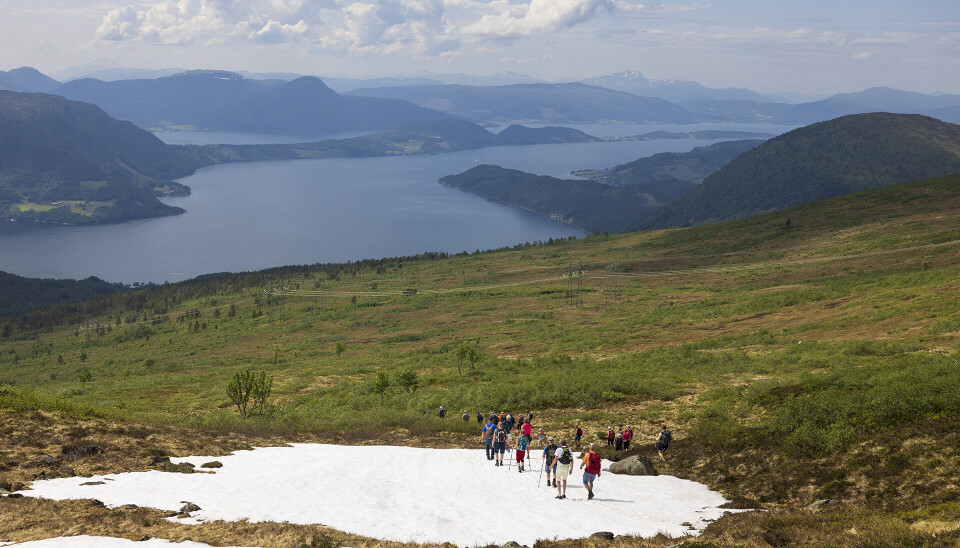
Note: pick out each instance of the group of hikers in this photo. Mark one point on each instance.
(558, 460)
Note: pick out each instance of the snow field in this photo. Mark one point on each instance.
(406, 494)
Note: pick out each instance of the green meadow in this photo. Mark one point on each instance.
(794, 361)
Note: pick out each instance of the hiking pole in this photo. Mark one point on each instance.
(543, 462)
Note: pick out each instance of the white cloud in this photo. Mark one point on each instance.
(538, 17)
(862, 56)
(355, 26)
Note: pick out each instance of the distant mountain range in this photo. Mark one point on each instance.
(670, 90)
(819, 161)
(552, 103)
(26, 79)
(218, 100)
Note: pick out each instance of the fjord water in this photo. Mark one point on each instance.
(261, 214)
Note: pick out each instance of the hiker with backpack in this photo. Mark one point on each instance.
(577, 434)
(479, 417)
(522, 443)
(610, 436)
(499, 444)
(563, 461)
(626, 438)
(442, 412)
(591, 460)
(618, 441)
(549, 461)
(465, 416)
(541, 437)
(487, 436)
(663, 441)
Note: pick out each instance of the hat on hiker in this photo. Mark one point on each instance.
(549, 439)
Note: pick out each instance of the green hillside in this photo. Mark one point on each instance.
(692, 166)
(794, 361)
(588, 205)
(819, 161)
(25, 294)
(64, 161)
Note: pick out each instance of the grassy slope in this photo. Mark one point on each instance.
(792, 363)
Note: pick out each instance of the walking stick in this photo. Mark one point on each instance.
(544, 464)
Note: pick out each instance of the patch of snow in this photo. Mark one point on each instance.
(406, 494)
(84, 541)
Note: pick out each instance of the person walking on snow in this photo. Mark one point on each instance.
(541, 437)
(591, 460)
(487, 435)
(522, 443)
(564, 465)
(499, 444)
(527, 430)
(663, 441)
(549, 454)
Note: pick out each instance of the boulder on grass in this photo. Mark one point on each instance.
(71, 452)
(605, 535)
(636, 465)
(821, 503)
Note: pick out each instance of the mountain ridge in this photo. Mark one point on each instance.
(818, 161)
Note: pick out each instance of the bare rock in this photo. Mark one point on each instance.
(636, 465)
(158, 460)
(821, 503)
(212, 464)
(94, 483)
(47, 460)
(129, 507)
(603, 535)
(189, 507)
(71, 452)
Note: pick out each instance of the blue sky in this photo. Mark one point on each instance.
(811, 46)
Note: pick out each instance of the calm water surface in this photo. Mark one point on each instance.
(262, 214)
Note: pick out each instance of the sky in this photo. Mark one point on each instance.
(801, 46)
